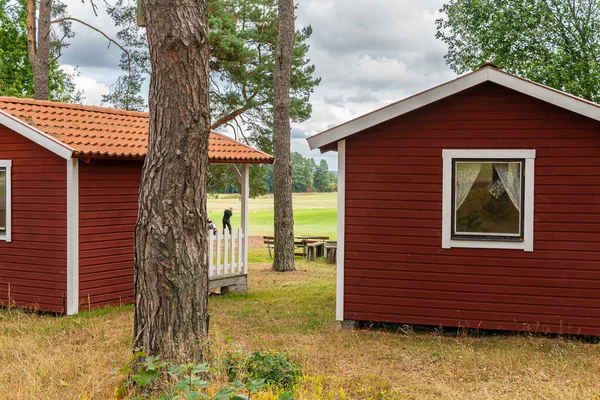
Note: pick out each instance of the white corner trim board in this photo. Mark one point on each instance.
(7, 236)
(245, 186)
(341, 230)
(36, 135)
(529, 157)
(486, 74)
(72, 236)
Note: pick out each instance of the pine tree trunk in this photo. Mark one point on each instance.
(171, 248)
(38, 46)
(282, 168)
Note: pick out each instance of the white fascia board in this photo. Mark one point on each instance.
(341, 231)
(36, 135)
(395, 110)
(544, 93)
(535, 90)
(72, 236)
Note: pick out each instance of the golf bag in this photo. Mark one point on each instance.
(211, 226)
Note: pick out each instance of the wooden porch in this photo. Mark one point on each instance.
(228, 261)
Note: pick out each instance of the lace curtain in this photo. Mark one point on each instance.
(510, 175)
(2, 199)
(466, 174)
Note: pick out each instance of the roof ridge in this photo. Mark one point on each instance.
(50, 103)
(486, 73)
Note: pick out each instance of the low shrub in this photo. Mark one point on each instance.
(149, 377)
(276, 369)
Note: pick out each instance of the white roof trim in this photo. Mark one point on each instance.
(36, 135)
(527, 87)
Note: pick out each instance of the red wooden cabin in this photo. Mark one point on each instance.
(69, 182)
(473, 204)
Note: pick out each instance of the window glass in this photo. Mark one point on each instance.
(488, 199)
(2, 200)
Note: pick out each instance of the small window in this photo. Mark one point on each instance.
(488, 199)
(5, 206)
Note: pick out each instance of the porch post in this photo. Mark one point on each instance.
(245, 184)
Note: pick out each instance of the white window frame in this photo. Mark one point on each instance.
(7, 235)
(529, 157)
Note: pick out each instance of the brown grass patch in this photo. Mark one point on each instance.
(49, 357)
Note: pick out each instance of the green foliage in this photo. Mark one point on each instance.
(16, 74)
(273, 368)
(302, 173)
(322, 177)
(243, 39)
(149, 377)
(554, 42)
(307, 176)
(222, 180)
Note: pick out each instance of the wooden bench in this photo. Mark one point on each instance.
(315, 247)
(331, 252)
(270, 242)
(314, 250)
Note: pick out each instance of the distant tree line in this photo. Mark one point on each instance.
(307, 176)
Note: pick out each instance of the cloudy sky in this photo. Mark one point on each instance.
(368, 53)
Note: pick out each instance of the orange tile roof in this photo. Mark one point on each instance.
(95, 132)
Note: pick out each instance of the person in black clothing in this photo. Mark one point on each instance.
(226, 216)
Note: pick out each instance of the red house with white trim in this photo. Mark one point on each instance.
(473, 204)
(69, 184)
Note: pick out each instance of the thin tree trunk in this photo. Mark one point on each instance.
(38, 46)
(171, 248)
(282, 168)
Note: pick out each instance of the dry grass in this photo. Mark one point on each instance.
(48, 357)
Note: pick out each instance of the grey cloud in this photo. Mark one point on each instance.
(335, 100)
(378, 27)
(298, 134)
(375, 45)
(340, 101)
(363, 98)
(87, 52)
(89, 48)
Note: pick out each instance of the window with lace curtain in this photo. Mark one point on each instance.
(488, 198)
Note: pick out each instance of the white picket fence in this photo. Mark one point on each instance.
(226, 255)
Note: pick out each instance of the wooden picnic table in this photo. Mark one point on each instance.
(305, 241)
(302, 241)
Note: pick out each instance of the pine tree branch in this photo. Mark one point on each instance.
(229, 117)
(56, 21)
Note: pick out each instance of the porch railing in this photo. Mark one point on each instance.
(226, 255)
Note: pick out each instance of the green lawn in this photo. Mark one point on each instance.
(314, 213)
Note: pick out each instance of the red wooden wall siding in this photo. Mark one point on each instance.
(33, 267)
(108, 204)
(396, 270)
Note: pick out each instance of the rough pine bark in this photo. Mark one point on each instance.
(282, 168)
(38, 46)
(171, 248)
